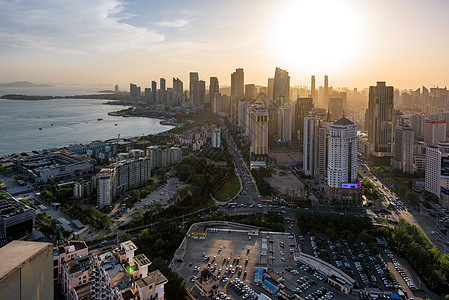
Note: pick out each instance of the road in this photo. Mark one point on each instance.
(421, 219)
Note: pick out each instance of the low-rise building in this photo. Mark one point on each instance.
(75, 273)
(65, 253)
(16, 218)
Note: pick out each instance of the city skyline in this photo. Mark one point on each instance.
(355, 43)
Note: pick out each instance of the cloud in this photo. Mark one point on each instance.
(81, 26)
(173, 23)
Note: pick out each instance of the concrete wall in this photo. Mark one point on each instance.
(27, 271)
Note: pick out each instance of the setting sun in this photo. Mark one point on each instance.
(317, 35)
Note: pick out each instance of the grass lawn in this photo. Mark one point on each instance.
(228, 190)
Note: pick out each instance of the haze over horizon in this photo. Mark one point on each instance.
(356, 43)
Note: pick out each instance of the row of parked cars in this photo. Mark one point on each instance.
(241, 289)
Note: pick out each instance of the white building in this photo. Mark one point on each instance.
(342, 178)
(216, 138)
(437, 172)
(434, 131)
(122, 177)
(259, 134)
(403, 148)
(342, 167)
(163, 157)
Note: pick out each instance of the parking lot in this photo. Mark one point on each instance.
(233, 255)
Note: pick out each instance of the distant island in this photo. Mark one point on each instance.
(122, 96)
(24, 84)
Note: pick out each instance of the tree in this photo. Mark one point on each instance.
(151, 182)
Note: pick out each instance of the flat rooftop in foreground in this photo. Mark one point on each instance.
(17, 253)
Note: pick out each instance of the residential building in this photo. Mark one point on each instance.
(281, 87)
(403, 148)
(434, 131)
(26, 271)
(250, 91)
(342, 179)
(259, 134)
(67, 252)
(437, 172)
(380, 113)
(302, 110)
(134, 92)
(216, 138)
(75, 273)
(199, 93)
(153, 92)
(285, 123)
(161, 157)
(193, 77)
(237, 92)
(162, 91)
(336, 106)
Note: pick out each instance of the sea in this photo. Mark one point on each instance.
(45, 124)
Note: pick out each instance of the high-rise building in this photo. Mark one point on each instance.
(434, 131)
(270, 87)
(116, 89)
(437, 172)
(259, 134)
(380, 113)
(322, 148)
(163, 157)
(121, 177)
(417, 123)
(162, 91)
(312, 88)
(310, 143)
(250, 91)
(216, 138)
(214, 88)
(147, 95)
(217, 104)
(237, 92)
(336, 107)
(403, 148)
(178, 92)
(134, 92)
(153, 91)
(326, 90)
(302, 109)
(342, 179)
(285, 123)
(192, 79)
(26, 271)
(199, 92)
(281, 87)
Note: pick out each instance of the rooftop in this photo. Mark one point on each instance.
(155, 277)
(141, 260)
(80, 264)
(343, 121)
(10, 206)
(128, 246)
(17, 253)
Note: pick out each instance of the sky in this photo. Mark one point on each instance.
(355, 42)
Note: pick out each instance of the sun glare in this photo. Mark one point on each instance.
(317, 36)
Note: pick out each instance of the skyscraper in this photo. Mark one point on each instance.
(192, 79)
(259, 134)
(403, 148)
(199, 92)
(303, 107)
(147, 95)
(270, 86)
(285, 123)
(237, 92)
(342, 179)
(434, 131)
(134, 92)
(281, 87)
(163, 92)
(380, 113)
(214, 88)
(326, 90)
(312, 88)
(178, 91)
(153, 92)
(437, 172)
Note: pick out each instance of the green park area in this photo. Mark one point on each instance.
(228, 190)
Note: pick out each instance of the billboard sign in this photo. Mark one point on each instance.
(445, 166)
(351, 185)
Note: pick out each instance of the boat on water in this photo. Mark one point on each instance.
(99, 119)
(115, 124)
(40, 128)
